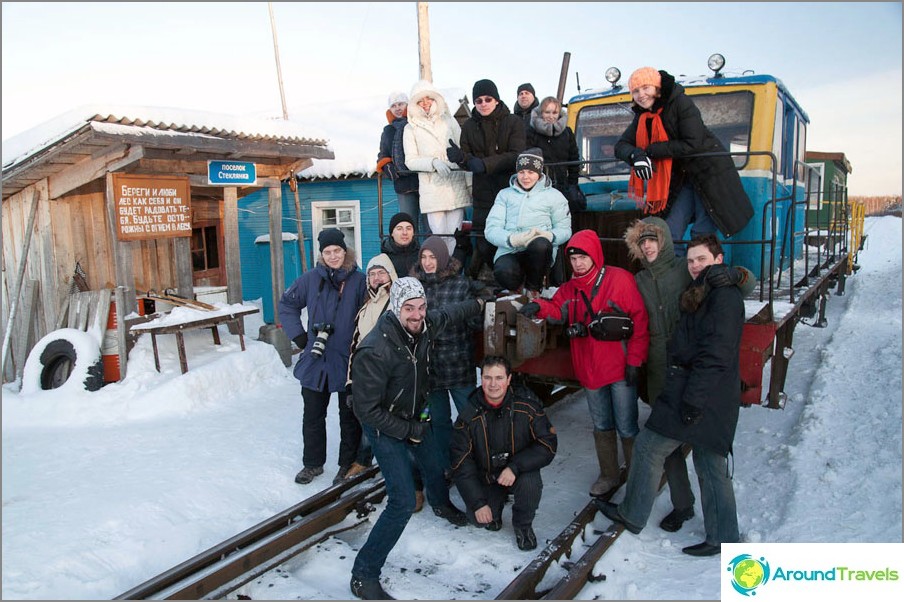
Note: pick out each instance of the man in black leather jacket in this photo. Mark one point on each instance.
(502, 439)
(389, 397)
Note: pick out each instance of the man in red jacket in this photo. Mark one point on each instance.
(606, 367)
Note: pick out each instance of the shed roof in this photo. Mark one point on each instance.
(92, 133)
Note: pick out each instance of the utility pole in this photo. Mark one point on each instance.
(423, 39)
(282, 92)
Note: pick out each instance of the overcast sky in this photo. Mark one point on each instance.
(842, 61)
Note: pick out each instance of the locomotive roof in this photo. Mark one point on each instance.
(700, 82)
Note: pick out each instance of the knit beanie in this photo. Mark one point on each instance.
(527, 87)
(329, 237)
(645, 76)
(395, 97)
(531, 159)
(400, 217)
(440, 250)
(485, 87)
(402, 290)
(576, 251)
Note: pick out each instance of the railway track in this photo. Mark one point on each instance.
(231, 564)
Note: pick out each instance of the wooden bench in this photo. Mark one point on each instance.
(202, 321)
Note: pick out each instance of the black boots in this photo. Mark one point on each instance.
(451, 514)
(525, 538)
(611, 512)
(674, 519)
(369, 589)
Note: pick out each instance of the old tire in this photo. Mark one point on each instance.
(67, 357)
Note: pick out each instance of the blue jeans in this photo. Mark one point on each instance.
(686, 209)
(409, 202)
(395, 463)
(441, 417)
(614, 407)
(720, 515)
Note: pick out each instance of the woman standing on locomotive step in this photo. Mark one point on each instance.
(667, 128)
(443, 187)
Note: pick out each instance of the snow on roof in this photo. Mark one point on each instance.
(46, 134)
(353, 134)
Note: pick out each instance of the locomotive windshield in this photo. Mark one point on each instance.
(728, 115)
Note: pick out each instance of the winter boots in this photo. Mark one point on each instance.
(606, 444)
(307, 474)
(368, 589)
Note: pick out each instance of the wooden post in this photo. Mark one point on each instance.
(20, 272)
(233, 255)
(293, 184)
(282, 92)
(563, 77)
(277, 270)
(423, 39)
(119, 296)
(231, 234)
(122, 253)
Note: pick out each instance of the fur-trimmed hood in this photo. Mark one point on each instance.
(663, 235)
(421, 89)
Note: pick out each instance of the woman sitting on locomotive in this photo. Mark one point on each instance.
(666, 131)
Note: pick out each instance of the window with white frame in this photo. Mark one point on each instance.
(344, 215)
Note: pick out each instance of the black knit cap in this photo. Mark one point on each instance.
(400, 217)
(330, 237)
(527, 87)
(485, 87)
(577, 251)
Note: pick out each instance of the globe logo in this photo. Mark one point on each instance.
(748, 573)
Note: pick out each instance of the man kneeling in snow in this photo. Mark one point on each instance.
(501, 441)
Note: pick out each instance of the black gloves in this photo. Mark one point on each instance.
(720, 275)
(453, 153)
(301, 341)
(643, 167)
(417, 431)
(391, 171)
(631, 373)
(475, 165)
(349, 401)
(485, 294)
(690, 414)
(529, 310)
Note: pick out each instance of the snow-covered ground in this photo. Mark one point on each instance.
(104, 490)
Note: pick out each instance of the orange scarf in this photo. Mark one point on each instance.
(649, 130)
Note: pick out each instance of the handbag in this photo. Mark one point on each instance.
(614, 325)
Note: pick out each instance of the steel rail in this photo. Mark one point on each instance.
(287, 526)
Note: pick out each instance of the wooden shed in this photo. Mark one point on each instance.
(130, 201)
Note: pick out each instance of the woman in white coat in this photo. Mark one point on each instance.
(444, 189)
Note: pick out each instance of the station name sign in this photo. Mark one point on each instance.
(149, 207)
(231, 173)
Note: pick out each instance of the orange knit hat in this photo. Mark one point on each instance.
(645, 76)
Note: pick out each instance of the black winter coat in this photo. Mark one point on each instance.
(390, 369)
(403, 258)
(497, 140)
(558, 145)
(391, 146)
(703, 370)
(518, 427)
(715, 179)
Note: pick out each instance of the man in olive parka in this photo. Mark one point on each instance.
(661, 283)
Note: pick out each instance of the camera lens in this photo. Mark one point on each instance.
(319, 346)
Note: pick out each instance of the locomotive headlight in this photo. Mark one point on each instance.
(715, 62)
(613, 75)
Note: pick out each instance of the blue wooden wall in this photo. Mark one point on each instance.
(254, 221)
